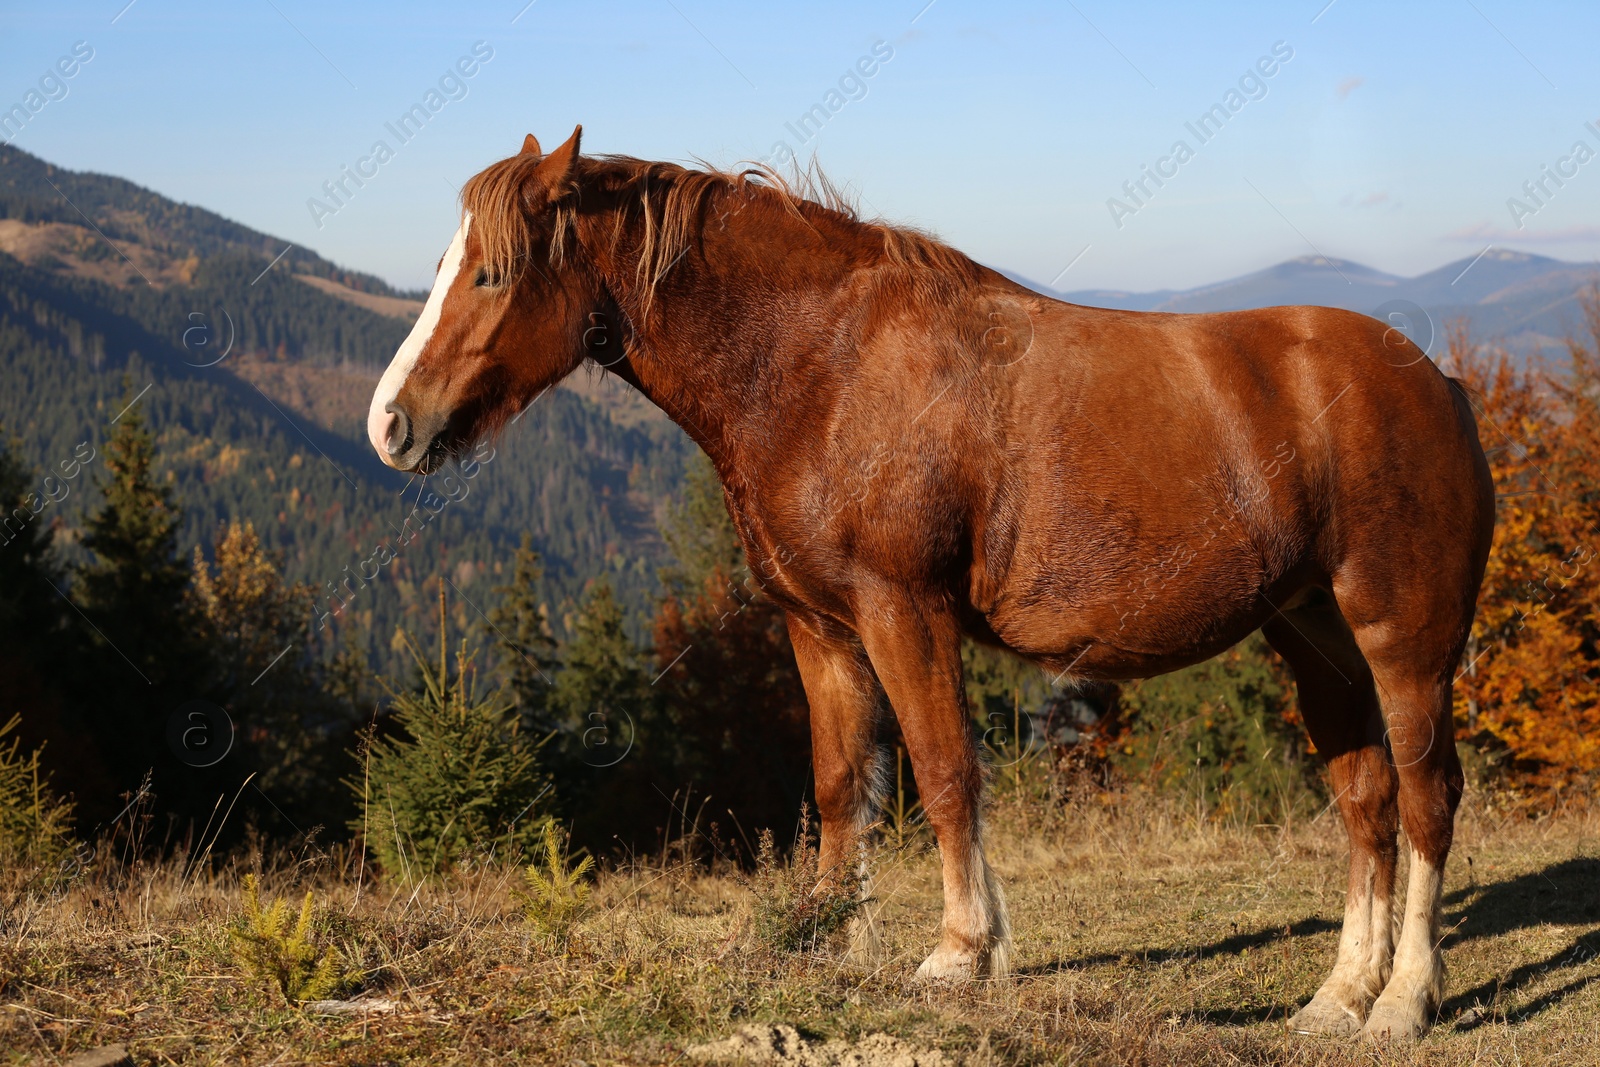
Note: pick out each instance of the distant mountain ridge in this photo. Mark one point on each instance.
(1523, 301)
(33, 191)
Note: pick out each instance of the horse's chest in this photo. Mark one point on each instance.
(811, 545)
(781, 555)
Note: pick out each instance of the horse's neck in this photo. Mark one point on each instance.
(716, 367)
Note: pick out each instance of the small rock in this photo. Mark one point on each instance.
(109, 1056)
(375, 1006)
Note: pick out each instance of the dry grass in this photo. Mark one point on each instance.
(1143, 938)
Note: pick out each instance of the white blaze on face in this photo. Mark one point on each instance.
(379, 420)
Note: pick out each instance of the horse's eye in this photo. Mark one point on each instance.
(483, 280)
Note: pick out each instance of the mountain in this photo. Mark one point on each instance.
(1525, 302)
(46, 213)
(254, 372)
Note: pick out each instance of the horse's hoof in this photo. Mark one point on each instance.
(949, 965)
(1326, 1018)
(1393, 1023)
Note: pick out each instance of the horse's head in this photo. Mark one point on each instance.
(505, 319)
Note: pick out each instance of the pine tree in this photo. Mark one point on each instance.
(459, 778)
(33, 612)
(603, 681)
(1224, 735)
(134, 586)
(700, 533)
(35, 823)
(42, 643)
(614, 761)
(28, 609)
(525, 651)
(149, 656)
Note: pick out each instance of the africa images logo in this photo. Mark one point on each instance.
(339, 190)
(1251, 86)
(52, 86)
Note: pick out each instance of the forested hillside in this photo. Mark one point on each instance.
(183, 459)
(255, 385)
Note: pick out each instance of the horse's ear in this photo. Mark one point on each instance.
(550, 178)
(530, 146)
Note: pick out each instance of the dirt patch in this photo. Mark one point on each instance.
(393, 306)
(780, 1044)
(84, 253)
(335, 398)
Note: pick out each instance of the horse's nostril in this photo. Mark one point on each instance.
(398, 442)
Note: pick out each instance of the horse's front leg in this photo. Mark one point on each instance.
(915, 648)
(847, 760)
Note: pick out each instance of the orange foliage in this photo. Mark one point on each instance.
(1528, 694)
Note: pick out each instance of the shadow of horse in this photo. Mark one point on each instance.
(1231, 945)
(1564, 894)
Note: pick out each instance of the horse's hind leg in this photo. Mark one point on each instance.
(1410, 619)
(1415, 690)
(844, 699)
(1340, 708)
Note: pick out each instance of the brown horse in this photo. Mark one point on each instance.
(915, 449)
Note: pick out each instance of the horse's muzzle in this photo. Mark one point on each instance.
(411, 444)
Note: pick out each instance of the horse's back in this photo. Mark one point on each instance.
(1174, 470)
(1348, 409)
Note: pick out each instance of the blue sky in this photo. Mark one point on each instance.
(1391, 137)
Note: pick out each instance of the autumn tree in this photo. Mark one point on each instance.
(1526, 696)
(269, 675)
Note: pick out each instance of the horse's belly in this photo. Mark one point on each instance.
(1132, 620)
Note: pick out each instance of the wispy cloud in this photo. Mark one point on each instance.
(1483, 231)
(1369, 201)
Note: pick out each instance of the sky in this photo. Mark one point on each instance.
(1398, 136)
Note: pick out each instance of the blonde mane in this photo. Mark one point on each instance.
(673, 206)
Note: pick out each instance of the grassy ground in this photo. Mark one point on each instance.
(1143, 937)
